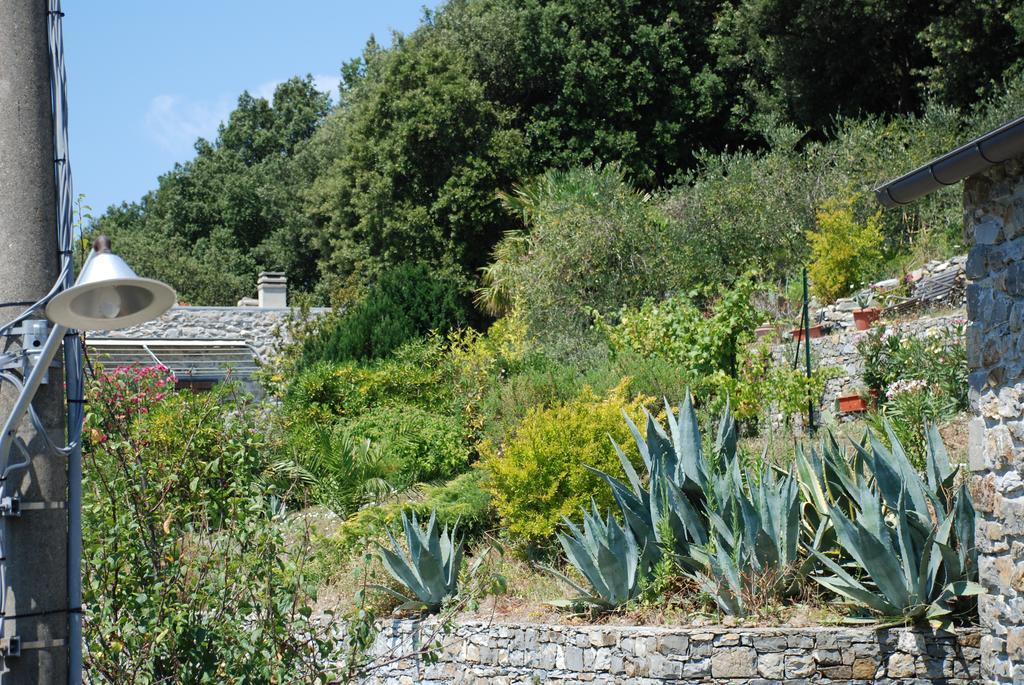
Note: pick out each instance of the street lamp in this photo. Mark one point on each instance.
(106, 296)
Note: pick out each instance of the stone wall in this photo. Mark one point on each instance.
(258, 326)
(994, 223)
(838, 349)
(936, 284)
(497, 653)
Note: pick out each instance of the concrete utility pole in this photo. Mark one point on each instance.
(35, 542)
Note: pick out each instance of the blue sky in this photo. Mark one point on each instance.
(146, 78)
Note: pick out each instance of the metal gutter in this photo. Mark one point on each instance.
(980, 154)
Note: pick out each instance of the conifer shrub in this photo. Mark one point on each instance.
(407, 302)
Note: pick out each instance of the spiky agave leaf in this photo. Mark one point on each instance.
(607, 555)
(430, 571)
(915, 573)
(756, 527)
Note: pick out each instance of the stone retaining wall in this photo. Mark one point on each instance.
(257, 326)
(503, 654)
(838, 349)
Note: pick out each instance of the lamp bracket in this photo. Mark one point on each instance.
(32, 340)
(10, 507)
(11, 646)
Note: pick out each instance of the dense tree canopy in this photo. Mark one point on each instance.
(485, 93)
(234, 209)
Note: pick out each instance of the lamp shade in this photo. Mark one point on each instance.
(108, 295)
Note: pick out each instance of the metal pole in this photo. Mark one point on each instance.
(807, 352)
(34, 543)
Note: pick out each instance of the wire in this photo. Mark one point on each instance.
(72, 342)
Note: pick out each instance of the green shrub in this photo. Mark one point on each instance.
(761, 383)
(939, 358)
(593, 241)
(918, 380)
(908, 408)
(742, 210)
(539, 474)
(417, 373)
(542, 381)
(462, 500)
(678, 329)
(343, 472)
(845, 253)
(187, 567)
(408, 301)
(417, 444)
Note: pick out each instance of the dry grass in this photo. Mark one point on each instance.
(529, 589)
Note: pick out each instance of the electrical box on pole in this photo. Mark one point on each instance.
(33, 642)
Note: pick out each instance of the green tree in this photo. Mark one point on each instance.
(809, 61)
(408, 301)
(593, 242)
(214, 222)
(484, 93)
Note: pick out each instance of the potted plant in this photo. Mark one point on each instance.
(852, 403)
(764, 330)
(816, 331)
(865, 315)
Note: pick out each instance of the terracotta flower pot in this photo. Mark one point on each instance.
(816, 332)
(849, 404)
(764, 331)
(863, 318)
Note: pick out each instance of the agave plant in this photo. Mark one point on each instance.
(825, 476)
(912, 538)
(609, 558)
(933, 499)
(756, 529)
(678, 475)
(431, 569)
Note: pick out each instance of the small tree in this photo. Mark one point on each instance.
(844, 252)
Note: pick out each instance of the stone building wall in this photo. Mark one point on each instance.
(498, 654)
(260, 327)
(994, 224)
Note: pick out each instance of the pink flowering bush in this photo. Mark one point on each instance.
(114, 398)
(938, 359)
(919, 379)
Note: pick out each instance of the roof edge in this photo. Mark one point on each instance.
(982, 153)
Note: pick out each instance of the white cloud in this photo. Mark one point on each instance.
(175, 122)
(327, 83)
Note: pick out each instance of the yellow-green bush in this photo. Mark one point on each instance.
(539, 475)
(844, 252)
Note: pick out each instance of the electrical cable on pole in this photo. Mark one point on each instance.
(40, 501)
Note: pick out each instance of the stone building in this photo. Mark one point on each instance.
(992, 167)
(206, 345)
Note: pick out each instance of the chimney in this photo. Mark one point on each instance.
(272, 289)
